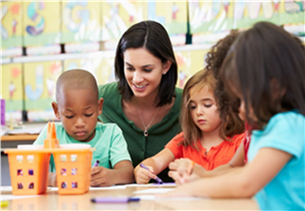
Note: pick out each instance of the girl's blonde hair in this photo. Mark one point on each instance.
(190, 130)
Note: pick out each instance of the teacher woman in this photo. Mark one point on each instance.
(144, 102)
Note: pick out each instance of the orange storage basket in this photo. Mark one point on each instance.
(29, 171)
(29, 168)
(73, 169)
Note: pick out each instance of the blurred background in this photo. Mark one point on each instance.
(41, 39)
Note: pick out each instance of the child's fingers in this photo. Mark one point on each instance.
(173, 166)
(96, 170)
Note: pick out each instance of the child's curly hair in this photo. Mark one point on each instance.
(228, 107)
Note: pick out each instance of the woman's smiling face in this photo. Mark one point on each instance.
(143, 72)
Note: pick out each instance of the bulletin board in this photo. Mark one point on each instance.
(39, 86)
(101, 68)
(80, 21)
(11, 24)
(41, 23)
(189, 62)
(171, 14)
(210, 16)
(11, 87)
(215, 16)
(117, 17)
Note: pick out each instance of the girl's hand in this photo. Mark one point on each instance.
(142, 176)
(182, 179)
(182, 166)
(101, 177)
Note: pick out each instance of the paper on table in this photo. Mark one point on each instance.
(35, 130)
(152, 184)
(153, 190)
(5, 197)
(114, 187)
(154, 198)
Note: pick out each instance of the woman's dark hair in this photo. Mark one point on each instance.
(266, 65)
(153, 37)
(228, 109)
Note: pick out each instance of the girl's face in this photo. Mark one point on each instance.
(78, 112)
(203, 109)
(143, 71)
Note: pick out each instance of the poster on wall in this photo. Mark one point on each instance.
(116, 18)
(101, 67)
(210, 16)
(292, 12)
(12, 91)
(189, 62)
(80, 25)
(11, 29)
(248, 13)
(39, 89)
(41, 27)
(172, 15)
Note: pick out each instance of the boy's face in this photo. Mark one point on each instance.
(78, 111)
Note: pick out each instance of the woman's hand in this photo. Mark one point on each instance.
(142, 176)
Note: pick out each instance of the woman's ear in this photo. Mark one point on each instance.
(55, 109)
(100, 106)
(166, 66)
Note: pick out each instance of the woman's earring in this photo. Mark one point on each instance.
(164, 73)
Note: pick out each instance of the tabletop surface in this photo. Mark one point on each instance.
(51, 200)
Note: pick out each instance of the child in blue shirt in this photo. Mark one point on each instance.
(264, 68)
(77, 106)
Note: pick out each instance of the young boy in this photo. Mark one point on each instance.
(77, 106)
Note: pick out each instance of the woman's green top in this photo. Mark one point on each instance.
(139, 146)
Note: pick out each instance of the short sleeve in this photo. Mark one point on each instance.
(175, 145)
(118, 147)
(285, 132)
(42, 136)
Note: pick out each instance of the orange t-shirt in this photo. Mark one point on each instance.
(217, 156)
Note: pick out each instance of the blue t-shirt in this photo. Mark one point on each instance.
(109, 143)
(285, 131)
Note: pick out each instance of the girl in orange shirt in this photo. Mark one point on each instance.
(206, 139)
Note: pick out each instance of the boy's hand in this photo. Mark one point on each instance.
(142, 176)
(101, 177)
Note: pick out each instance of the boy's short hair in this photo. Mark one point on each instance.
(76, 79)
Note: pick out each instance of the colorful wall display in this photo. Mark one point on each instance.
(117, 17)
(41, 23)
(189, 62)
(11, 28)
(102, 68)
(39, 88)
(80, 21)
(210, 16)
(215, 16)
(12, 90)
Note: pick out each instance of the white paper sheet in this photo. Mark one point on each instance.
(11, 197)
(153, 190)
(154, 198)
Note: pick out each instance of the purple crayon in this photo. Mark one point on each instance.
(157, 178)
(112, 199)
(96, 163)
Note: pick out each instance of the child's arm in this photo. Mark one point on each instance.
(156, 164)
(243, 182)
(179, 169)
(122, 173)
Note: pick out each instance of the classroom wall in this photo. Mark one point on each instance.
(40, 40)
